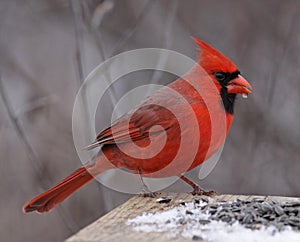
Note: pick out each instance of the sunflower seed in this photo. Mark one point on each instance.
(197, 237)
(189, 212)
(204, 221)
(253, 214)
(164, 200)
(278, 210)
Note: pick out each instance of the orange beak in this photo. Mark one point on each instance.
(239, 85)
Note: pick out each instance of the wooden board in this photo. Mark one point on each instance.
(112, 226)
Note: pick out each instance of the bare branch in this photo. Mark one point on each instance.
(19, 130)
(34, 105)
(32, 154)
(75, 9)
(166, 43)
(130, 31)
(280, 63)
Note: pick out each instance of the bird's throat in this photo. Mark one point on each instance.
(228, 100)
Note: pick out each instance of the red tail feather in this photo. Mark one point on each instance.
(55, 195)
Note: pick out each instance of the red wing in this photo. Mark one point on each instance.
(135, 126)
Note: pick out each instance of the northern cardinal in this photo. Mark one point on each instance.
(141, 125)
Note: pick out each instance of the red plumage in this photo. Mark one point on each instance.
(143, 121)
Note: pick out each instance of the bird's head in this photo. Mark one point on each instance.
(225, 74)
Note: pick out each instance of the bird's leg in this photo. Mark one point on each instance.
(145, 189)
(197, 190)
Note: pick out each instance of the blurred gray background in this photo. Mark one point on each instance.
(48, 47)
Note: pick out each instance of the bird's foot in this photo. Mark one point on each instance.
(149, 194)
(146, 192)
(199, 191)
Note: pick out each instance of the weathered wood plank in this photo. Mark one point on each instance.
(112, 226)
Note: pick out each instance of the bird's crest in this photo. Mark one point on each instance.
(213, 60)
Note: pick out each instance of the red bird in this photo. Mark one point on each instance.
(140, 128)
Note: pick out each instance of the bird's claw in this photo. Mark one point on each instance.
(198, 191)
(149, 194)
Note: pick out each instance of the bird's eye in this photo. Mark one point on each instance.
(221, 76)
